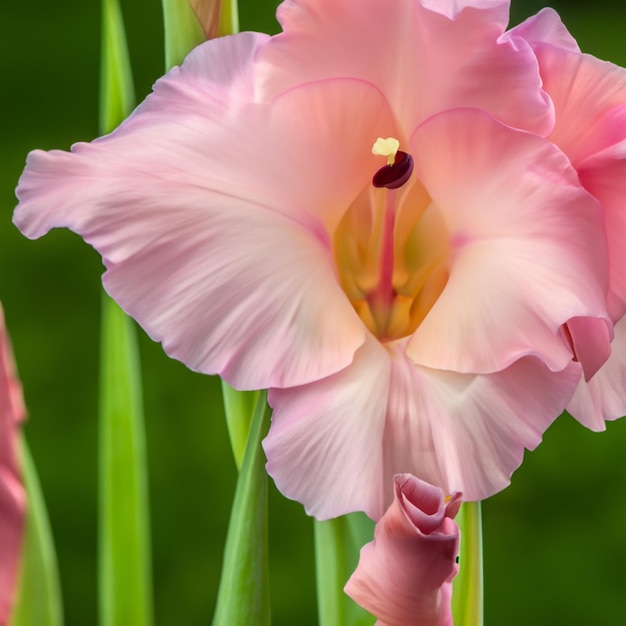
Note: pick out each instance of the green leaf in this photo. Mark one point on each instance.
(243, 596)
(117, 94)
(184, 27)
(39, 593)
(239, 409)
(229, 18)
(337, 545)
(183, 31)
(467, 586)
(125, 574)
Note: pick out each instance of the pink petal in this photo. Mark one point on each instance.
(405, 47)
(324, 445)
(211, 214)
(465, 432)
(603, 398)
(589, 97)
(584, 90)
(461, 432)
(12, 496)
(603, 175)
(591, 341)
(528, 246)
(404, 576)
(545, 27)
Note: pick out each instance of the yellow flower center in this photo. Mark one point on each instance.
(391, 251)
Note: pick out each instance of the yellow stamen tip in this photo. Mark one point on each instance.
(387, 148)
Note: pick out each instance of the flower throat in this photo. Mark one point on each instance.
(391, 248)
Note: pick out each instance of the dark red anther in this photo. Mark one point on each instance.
(394, 176)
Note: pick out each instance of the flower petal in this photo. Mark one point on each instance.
(603, 398)
(603, 175)
(404, 576)
(324, 444)
(584, 90)
(211, 214)
(405, 47)
(467, 432)
(545, 27)
(528, 246)
(12, 496)
(591, 341)
(460, 432)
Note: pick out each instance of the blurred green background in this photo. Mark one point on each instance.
(555, 541)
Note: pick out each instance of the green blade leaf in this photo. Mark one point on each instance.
(337, 545)
(125, 591)
(239, 409)
(182, 31)
(243, 595)
(229, 18)
(39, 593)
(185, 28)
(117, 94)
(125, 574)
(467, 586)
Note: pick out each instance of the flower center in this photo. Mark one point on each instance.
(391, 248)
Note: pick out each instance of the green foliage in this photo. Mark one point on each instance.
(39, 596)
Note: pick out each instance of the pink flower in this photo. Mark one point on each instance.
(404, 576)
(12, 497)
(436, 325)
(589, 98)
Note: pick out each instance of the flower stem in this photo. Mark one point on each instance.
(330, 571)
(182, 31)
(239, 409)
(243, 596)
(125, 570)
(125, 580)
(467, 595)
(337, 545)
(229, 18)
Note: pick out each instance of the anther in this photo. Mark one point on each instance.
(399, 164)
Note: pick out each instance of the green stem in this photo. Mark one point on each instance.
(337, 545)
(125, 570)
(243, 596)
(117, 94)
(467, 595)
(239, 409)
(182, 31)
(125, 580)
(39, 596)
(330, 571)
(229, 18)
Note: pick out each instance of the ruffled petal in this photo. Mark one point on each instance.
(324, 445)
(603, 174)
(528, 247)
(212, 215)
(12, 495)
(404, 576)
(405, 47)
(584, 90)
(591, 342)
(603, 398)
(545, 27)
(589, 97)
(467, 432)
(335, 444)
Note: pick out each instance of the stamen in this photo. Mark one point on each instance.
(387, 148)
(399, 164)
